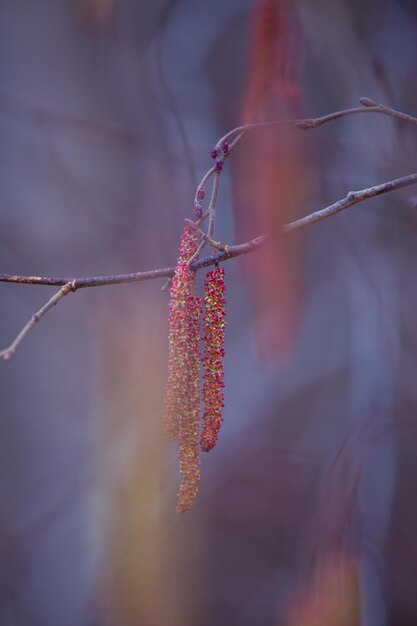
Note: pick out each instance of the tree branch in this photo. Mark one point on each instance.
(353, 197)
(230, 252)
(225, 252)
(368, 106)
(9, 352)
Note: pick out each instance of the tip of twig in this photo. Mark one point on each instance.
(368, 102)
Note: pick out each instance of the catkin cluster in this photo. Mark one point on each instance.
(185, 363)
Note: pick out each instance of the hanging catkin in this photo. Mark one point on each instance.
(182, 400)
(213, 376)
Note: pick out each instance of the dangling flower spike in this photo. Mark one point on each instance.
(213, 383)
(182, 334)
(182, 400)
(188, 437)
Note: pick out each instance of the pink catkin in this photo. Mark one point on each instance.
(179, 328)
(213, 378)
(189, 421)
(182, 400)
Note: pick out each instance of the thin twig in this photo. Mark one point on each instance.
(202, 184)
(214, 169)
(353, 197)
(225, 252)
(9, 352)
(229, 252)
(212, 206)
(199, 250)
(214, 244)
(368, 106)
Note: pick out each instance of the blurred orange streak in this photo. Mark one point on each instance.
(145, 576)
(332, 598)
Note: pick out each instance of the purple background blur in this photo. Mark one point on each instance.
(108, 111)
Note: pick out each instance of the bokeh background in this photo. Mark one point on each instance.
(307, 511)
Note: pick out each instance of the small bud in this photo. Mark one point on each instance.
(225, 147)
(200, 194)
(214, 153)
(219, 166)
(198, 210)
(367, 102)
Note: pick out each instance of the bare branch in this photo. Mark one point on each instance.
(9, 352)
(368, 106)
(230, 252)
(225, 252)
(212, 206)
(214, 244)
(353, 197)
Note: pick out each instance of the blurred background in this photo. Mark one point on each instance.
(307, 512)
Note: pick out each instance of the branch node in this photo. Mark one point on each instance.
(305, 124)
